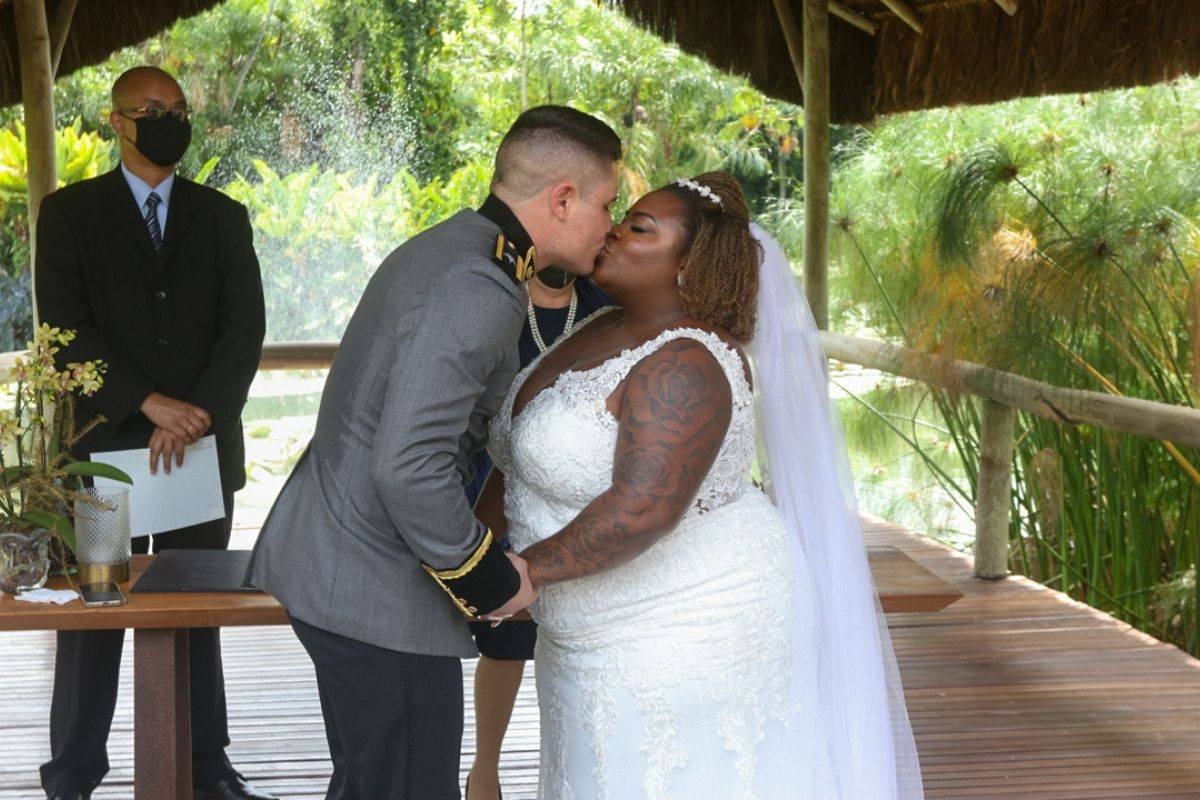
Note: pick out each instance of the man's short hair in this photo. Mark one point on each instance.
(548, 144)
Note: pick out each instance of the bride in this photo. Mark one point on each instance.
(700, 639)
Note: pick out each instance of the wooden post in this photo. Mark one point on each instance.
(907, 13)
(791, 35)
(1195, 336)
(37, 94)
(816, 159)
(993, 493)
(58, 34)
(162, 708)
(856, 19)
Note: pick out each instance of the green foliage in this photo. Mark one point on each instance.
(348, 127)
(81, 154)
(38, 478)
(675, 114)
(1056, 238)
(320, 234)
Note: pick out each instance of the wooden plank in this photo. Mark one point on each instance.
(1015, 692)
(144, 610)
(903, 586)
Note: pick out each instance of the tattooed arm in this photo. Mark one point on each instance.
(673, 418)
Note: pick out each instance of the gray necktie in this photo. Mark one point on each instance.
(152, 220)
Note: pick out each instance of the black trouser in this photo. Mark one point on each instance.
(393, 720)
(88, 664)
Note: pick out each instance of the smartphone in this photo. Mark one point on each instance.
(96, 595)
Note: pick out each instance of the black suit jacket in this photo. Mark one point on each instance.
(187, 322)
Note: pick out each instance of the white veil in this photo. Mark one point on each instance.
(862, 703)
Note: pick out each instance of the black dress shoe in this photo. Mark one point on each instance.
(230, 787)
(69, 796)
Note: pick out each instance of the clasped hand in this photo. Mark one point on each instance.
(524, 597)
(177, 424)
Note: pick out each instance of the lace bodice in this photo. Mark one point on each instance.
(560, 449)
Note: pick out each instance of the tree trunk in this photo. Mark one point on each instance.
(37, 94)
(816, 159)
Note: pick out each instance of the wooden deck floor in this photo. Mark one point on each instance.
(1014, 692)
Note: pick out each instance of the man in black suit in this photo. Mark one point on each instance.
(158, 277)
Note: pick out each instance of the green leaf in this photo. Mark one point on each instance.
(52, 522)
(95, 469)
(206, 170)
(11, 475)
(66, 531)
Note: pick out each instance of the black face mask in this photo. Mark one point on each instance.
(555, 277)
(163, 141)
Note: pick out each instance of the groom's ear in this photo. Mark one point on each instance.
(562, 195)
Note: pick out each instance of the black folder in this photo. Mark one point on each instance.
(196, 571)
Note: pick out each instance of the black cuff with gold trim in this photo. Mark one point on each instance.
(482, 583)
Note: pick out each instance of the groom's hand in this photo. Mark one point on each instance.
(522, 599)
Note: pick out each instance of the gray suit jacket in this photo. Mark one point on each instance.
(424, 364)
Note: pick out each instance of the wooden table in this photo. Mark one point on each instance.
(160, 622)
(162, 750)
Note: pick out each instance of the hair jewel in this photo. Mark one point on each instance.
(700, 188)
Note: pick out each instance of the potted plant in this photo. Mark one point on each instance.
(39, 481)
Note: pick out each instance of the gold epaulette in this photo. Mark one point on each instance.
(519, 268)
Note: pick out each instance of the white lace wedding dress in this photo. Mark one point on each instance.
(678, 675)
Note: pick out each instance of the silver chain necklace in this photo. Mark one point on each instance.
(537, 333)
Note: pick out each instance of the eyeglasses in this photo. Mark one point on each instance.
(156, 111)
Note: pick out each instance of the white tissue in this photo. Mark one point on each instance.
(59, 596)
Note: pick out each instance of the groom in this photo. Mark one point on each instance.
(371, 546)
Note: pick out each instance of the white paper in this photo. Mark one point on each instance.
(56, 596)
(189, 495)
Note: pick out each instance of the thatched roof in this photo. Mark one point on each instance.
(98, 29)
(969, 51)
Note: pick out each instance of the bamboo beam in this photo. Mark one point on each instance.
(816, 159)
(1066, 406)
(37, 95)
(1009, 6)
(791, 34)
(59, 31)
(993, 493)
(275, 356)
(1195, 335)
(1147, 418)
(906, 12)
(297, 355)
(856, 19)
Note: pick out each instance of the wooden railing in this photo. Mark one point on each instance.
(1002, 394)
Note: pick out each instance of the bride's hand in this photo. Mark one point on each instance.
(524, 597)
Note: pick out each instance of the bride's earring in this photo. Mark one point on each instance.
(679, 279)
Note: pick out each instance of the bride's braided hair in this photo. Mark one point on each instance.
(720, 273)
